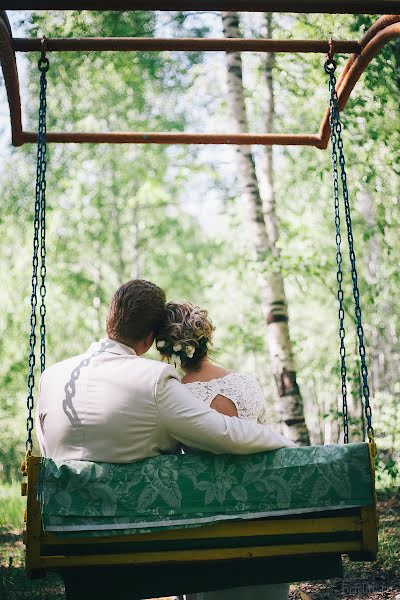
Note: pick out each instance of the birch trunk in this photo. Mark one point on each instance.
(121, 267)
(265, 234)
(136, 270)
(372, 264)
(397, 58)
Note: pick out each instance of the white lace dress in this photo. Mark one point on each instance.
(242, 389)
(245, 392)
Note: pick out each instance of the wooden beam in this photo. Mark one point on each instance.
(294, 6)
(183, 45)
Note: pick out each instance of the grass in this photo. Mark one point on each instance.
(379, 580)
(362, 581)
(13, 583)
(12, 506)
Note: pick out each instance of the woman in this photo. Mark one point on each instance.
(185, 341)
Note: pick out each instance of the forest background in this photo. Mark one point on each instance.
(176, 215)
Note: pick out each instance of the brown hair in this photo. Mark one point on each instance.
(136, 309)
(186, 333)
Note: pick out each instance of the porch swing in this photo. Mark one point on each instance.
(57, 538)
(291, 535)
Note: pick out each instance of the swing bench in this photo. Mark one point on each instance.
(180, 524)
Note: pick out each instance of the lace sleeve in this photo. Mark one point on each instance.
(242, 389)
(263, 417)
(204, 390)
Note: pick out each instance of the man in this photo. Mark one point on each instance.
(111, 405)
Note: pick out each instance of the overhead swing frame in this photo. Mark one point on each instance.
(285, 560)
(381, 33)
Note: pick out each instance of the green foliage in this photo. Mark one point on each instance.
(12, 506)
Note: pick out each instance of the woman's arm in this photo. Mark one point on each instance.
(188, 420)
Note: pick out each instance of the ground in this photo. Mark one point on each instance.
(362, 581)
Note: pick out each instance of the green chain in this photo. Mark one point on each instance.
(338, 157)
(39, 228)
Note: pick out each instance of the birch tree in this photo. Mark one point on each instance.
(263, 220)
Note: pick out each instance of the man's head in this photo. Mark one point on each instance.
(135, 314)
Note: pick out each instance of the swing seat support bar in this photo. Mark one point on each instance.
(381, 33)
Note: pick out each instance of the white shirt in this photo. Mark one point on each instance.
(111, 405)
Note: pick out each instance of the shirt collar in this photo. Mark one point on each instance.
(108, 345)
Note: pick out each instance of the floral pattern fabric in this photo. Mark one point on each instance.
(195, 489)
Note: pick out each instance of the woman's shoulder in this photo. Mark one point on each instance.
(223, 377)
(212, 373)
(239, 377)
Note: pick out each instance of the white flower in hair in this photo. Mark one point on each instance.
(177, 347)
(190, 350)
(176, 361)
(160, 344)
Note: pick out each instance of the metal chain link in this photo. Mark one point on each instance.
(39, 226)
(42, 144)
(338, 156)
(356, 292)
(330, 69)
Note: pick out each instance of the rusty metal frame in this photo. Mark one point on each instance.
(295, 6)
(381, 33)
(10, 74)
(182, 45)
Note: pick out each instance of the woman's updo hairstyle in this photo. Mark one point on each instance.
(185, 335)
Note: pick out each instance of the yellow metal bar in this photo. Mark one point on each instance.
(213, 554)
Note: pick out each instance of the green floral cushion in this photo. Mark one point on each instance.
(195, 489)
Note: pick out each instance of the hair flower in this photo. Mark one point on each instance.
(177, 347)
(190, 350)
(160, 344)
(175, 360)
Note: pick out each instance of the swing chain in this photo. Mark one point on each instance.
(39, 230)
(338, 155)
(44, 67)
(330, 66)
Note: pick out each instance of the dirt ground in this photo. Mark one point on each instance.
(362, 581)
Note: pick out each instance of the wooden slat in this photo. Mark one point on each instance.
(369, 519)
(33, 522)
(180, 556)
(226, 530)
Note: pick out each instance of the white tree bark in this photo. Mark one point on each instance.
(265, 233)
(372, 264)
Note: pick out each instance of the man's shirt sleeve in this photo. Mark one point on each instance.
(191, 422)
